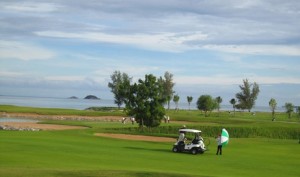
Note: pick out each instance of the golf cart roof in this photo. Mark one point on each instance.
(190, 130)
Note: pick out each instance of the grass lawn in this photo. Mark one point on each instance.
(79, 153)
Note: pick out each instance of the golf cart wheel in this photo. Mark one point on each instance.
(175, 149)
(194, 151)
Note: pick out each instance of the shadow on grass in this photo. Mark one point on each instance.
(148, 149)
(164, 150)
(111, 173)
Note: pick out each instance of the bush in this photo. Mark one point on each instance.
(213, 131)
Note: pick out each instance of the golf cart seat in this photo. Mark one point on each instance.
(195, 141)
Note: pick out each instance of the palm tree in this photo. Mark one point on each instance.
(289, 107)
(176, 100)
(218, 101)
(189, 99)
(233, 102)
(273, 105)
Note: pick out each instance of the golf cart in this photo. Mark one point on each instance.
(195, 146)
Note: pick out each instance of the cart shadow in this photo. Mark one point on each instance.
(148, 149)
(165, 150)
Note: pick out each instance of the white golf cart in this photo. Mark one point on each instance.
(195, 146)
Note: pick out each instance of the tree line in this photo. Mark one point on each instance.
(146, 98)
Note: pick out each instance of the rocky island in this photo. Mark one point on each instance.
(73, 97)
(92, 97)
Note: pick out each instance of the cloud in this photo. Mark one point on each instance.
(233, 80)
(23, 51)
(5, 74)
(288, 50)
(172, 42)
(135, 71)
(64, 78)
(173, 26)
(175, 42)
(31, 7)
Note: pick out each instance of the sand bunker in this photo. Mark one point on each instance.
(62, 117)
(136, 137)
(22, 125)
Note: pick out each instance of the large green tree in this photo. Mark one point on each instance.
(273, 105)
(168, 84)
(248, 95)
(145, 102)
(206, 103)
(119, 87)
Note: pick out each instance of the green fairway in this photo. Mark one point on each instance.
(77, 153)
(257, 147)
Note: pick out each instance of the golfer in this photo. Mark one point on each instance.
(219, 150)
(181, 140)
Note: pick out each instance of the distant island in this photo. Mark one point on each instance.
(92, 97)
(73, 97)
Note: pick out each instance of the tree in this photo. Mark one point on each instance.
(168, 85)
(119, 87)
(189, 99)
(289, 107)
(206, 103)
(233, 102)
(298, 113)
(218, 102)
(176, 100)
(145, 102)
(273, 105)
(247, 96)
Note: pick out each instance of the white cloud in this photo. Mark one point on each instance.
(275, 80)
(198, 80)
(5, 74)
(230, 80)
(289, 50)
(23, 51)
(64, 78)
(172, 42)
(176, 42)
(136, 72)
(31, 7)
(246, 4)
(230, 59)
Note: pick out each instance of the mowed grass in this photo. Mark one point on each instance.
(79, 153)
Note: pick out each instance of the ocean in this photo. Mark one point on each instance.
(44, 102)
(82, 104)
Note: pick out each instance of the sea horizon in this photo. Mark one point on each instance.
(81, 103)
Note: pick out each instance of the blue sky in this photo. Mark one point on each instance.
(70, 48)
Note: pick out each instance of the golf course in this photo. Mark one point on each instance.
(257, 147)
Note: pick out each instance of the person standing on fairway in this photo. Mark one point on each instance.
(219, 150)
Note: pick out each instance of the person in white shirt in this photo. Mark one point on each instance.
(181, 140)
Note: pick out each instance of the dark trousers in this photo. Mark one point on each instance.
(181, 145)
(219, 150)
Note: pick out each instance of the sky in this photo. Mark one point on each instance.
(72, 47)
